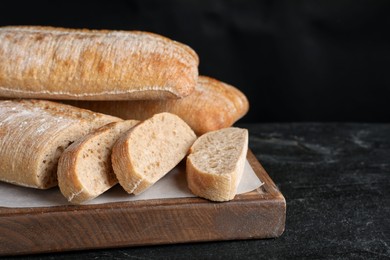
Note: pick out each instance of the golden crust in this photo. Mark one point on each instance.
(212, 105)
(81, 64)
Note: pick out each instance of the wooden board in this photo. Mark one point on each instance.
(254, 215)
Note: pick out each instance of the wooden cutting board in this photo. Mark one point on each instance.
(254, 215)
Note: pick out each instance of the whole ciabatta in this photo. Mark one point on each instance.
(216, 163)
(60, 63)
(213, 105)
(150, 150)
(84, 168)
(33, 135)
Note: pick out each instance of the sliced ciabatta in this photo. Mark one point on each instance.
(84, 168)
(33, 135)
(216, 163)
(150, 150)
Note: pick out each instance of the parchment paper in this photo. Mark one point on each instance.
(172, 185)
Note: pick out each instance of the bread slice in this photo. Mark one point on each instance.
(62, 63)
(150, 150)
(216, 163)
(211, 106)
(84, 168)
(33, 135)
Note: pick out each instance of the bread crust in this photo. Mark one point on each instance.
(81, 64)
(207, 175)
(33, 135)
(73, 183)
(150, 150)
(213, 105)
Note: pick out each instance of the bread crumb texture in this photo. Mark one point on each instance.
(150, 150)
(216, 163)
(85, 169)
(33, 135)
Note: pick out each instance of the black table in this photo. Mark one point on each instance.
(336, 181)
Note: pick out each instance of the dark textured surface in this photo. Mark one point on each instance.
(336, 181)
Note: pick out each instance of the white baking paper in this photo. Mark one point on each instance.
(173, 185)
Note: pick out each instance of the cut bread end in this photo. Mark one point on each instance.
(34, 135)
(216, 163)
(84, 170)
(150, 150)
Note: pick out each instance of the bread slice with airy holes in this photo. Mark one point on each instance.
(150, 150)
(84, 169)
(215, 163)
(33, 135)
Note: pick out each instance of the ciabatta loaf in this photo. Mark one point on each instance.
(33, 135)
(213, 105)
(84, 168)
(216, 163)
(60, 63)
(150, 150)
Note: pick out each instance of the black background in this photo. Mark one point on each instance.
(295, 60)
